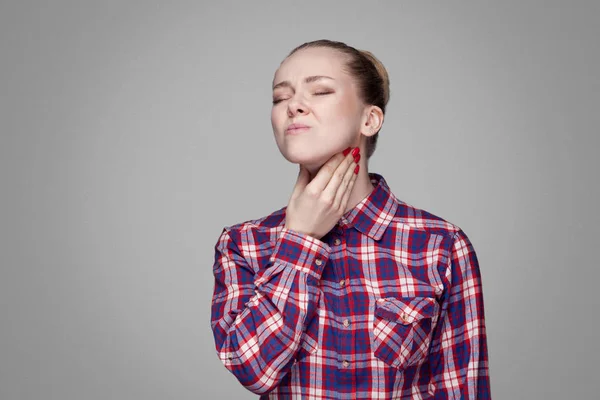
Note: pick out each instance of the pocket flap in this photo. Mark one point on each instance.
(405, 310)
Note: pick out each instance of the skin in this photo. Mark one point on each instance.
(338, 119)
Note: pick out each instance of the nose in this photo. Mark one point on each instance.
(295, 107)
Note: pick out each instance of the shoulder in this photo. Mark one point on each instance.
(425, 220)
(271, 221)
(257, 230)
(453, 237)
(428, 229)
(409, 217)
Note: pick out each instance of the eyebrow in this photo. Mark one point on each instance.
(308, 79)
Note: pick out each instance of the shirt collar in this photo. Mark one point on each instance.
(375, 212)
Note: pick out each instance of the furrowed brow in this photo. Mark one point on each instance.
(308, 79)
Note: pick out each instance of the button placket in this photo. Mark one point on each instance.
(344, 285)
(342, 282)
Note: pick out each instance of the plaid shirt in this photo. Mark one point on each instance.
(387, 305)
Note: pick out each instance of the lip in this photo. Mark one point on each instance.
(296, 128)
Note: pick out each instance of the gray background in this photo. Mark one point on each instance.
(132, 132)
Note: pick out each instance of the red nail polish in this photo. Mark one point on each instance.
(355, 151)
(347, 151)
(357, 159)
(356, 169)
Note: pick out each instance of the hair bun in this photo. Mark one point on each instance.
(381, 70)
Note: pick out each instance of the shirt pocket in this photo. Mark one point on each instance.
(402, 329)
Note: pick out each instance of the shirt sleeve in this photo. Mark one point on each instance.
(258, 318)
(459, 358)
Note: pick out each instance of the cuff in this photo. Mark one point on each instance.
(304, 252)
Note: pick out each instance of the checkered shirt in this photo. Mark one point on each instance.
(387, 305)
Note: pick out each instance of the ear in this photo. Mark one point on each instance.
(371, 121)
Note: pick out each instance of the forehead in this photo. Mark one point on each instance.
(312, 61)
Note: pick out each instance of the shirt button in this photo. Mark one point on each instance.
(345, 363)
(318, 262)
(346, 323)
(343, 282)
(337, 242)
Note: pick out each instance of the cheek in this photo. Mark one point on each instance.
(275, 118)
(343, 108)
(342, 114)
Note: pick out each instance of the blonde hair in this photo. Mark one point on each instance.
(372, 79)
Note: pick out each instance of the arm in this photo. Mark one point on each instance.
(258, 319)
(459, 352)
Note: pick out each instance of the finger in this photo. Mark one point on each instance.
(301, 182)
(336, 180)
(321, 180)
(346, 196)
(343, 188)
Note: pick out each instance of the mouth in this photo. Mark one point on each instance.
(296, 130)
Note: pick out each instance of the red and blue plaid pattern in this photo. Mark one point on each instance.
(387, 305)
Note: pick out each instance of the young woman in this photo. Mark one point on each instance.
(347, 292)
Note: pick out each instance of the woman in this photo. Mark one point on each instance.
(347, 292)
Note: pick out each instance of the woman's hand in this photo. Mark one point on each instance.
(316, 206)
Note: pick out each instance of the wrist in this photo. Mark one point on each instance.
(303, 232)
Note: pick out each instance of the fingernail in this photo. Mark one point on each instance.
(357, 158)
(355, 151)
(347, 151)
(356, 169)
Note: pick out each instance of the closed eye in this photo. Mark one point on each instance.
(316, 94)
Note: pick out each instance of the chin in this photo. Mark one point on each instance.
(308, 159)
(306, 153)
